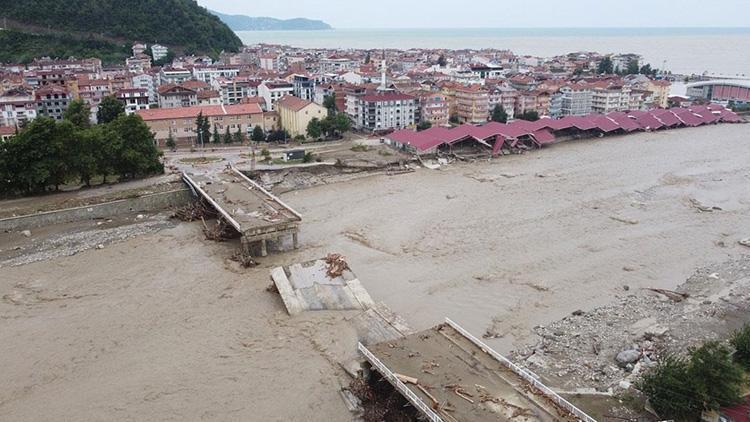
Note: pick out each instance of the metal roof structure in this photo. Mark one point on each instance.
(543, 131)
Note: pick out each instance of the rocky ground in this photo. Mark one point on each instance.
(605, 349)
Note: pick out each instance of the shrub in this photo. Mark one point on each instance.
(741, 342)
(670, 389)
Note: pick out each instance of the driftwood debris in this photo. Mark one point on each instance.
(674, 296)
(407, 379)
(336, 265)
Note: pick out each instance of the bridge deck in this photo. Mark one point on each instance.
(464, 382)
(254, 212)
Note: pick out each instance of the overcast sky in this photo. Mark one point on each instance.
(497, 13)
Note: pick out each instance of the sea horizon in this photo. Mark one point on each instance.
(684, 50)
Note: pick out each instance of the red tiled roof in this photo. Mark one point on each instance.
(7, 130)
(192, 112)
(293, 103)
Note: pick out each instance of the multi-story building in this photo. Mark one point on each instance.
(208, 74)
(52, 101)
(472, 104)
(576, 100)
(17, 107)
(92, 91)
(526, 102)
(606, 99)
(173, 76)
(304, 87)
(336, 65)
(234, 90)
(269, 62)
(6, 132)
(504, 96)
(180, 122)
(383, 111)
(159, 52)
(138, 64)
(174, 96)
(433, 108)
(272, 91)
(295, 114)
(134, 99)
(146, 81)
(209, 97)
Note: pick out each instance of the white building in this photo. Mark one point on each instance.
(159, 52)
(148, 82)
(576, 101)
(269, 62)
(234, 90)
(335, 65)
(382, 111)
(17, 106)
(174, 76)
(273, 91)
(609, 99)
(208, 73)
(134, 98)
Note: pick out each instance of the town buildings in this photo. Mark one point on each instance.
(433, 108)
(176, 96)
(159, 52)
(17, 107)
(272, 91)
(726, 90)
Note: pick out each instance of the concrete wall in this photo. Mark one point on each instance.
(146, 203)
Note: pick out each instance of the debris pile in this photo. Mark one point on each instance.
(335, 265)
(381, 402)
(194, 211)
(607, 348)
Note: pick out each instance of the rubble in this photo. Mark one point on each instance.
(609, 347)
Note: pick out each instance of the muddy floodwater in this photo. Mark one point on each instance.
(165, 327)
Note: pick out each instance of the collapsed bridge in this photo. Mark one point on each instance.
(258, 215)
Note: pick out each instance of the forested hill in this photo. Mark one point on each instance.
(181, 24)
(247, 23)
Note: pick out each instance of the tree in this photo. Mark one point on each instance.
(670, 389)
(239, 137)
(719, 381)
(423, 125)
(277, 135)
(216, 138)
(78, 113)
(741, 342)
(136, 150)
(499, 114)
(367, 58)
(606, 66)
(308, 157)
(453, 119)
(330, 104)
(228, 136)
(442, 62)
(341, 123)
(258, 134)
(171, 144)
(202, 128)
(109, 109)
(314, 128)
(633, 68)
(529, 115)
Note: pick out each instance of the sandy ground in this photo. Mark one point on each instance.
(165, 327)
(526, 240)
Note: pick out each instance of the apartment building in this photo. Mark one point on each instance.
(433, 108)
(134, 99)
(272, 91)
(235, 89)
(17, 107)
(174, 96)
(52, 101)
(472, 104)
(383, 111)
(606, 99)
(208, 74)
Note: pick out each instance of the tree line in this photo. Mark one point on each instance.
(45, 153)
(334, 123)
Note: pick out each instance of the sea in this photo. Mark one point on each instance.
(717, 51)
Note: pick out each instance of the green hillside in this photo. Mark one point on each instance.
(180, 24)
